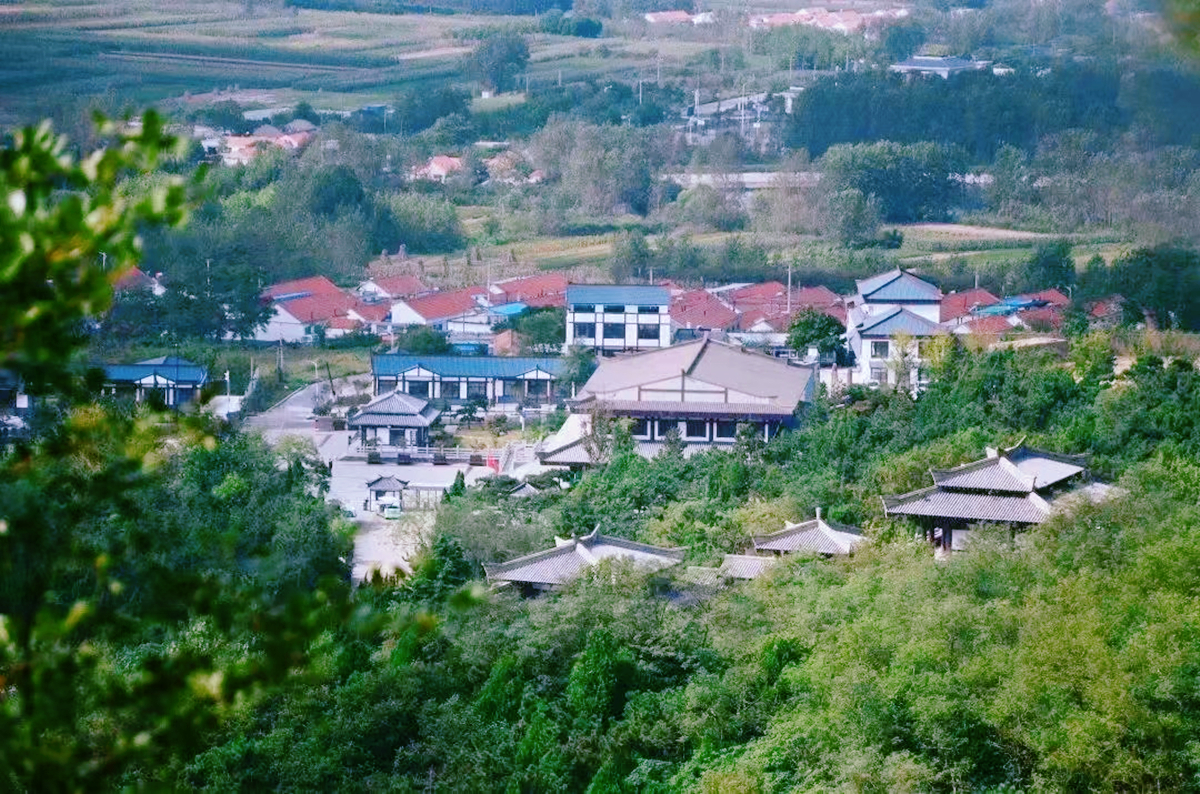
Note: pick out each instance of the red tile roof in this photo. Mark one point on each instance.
(319, 308)
(313, 285)
(133, 278)
(701, 309)
(1052, 296)
(543, 289)
(1105, 306)
(1046, 316)
(772, 297)
(372, 312)
(989, 326)
(403, 286)
(440, 305)
(960, 304)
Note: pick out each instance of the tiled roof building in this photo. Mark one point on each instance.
(1018, 486)
(544, 570)
(811, 537)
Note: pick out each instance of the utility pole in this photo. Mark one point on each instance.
(789, 292)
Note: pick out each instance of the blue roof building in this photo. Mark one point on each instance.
(613, 317)
(495, 379)
(171, 379)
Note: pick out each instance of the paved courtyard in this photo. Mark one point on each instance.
(379, 543)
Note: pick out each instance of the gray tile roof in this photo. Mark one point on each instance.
(745, 566)
(966, 506)
(564, 562)
(898, 286)
(899, 320)
(1008, 486)
(625, 295)
(387, 483)
(393, 364)
(815, 536)
(395, 409)
(780, 386)
(702, 575)
(1016, 470)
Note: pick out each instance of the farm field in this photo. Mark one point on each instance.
(131, 53)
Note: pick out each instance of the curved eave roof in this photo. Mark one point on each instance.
(937, 503)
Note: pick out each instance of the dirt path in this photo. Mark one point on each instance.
(964, 232)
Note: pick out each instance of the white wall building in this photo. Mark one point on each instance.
(887, 306)
(614, 318)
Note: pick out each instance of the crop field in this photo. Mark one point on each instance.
(131, 53)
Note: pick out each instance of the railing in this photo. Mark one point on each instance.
(475, 457)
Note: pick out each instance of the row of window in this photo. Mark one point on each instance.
(615, 331)
(691, 429)
(591, 308)
(879, 374)
(880, 348)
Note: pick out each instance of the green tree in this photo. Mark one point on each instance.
(151, 571)
(911, 181)
(852, 218)
(631, 257)
(1160, 285)
(422, 340)
(499, 59)
(1051, 266)
(813, 328)
(543, 331)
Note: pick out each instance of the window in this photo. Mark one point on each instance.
(647, 332)
(583, 308)
(649, 310)
(585, 330)
(696, 428)
(476, 388)
(614, 330)
(419, 388)
(879, 349)
(640, 428)
(726, 429)
(614, 309)
(878, 374)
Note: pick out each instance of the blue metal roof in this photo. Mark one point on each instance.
(509, 309)
(392, 364)
(626, 295)
(176, 370)
(898, 286)
(899, 321)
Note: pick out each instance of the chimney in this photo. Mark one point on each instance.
(818, 512)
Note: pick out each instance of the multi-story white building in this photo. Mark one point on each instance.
(887, 324)
(612, 318)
